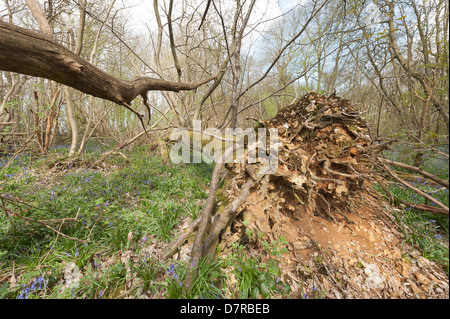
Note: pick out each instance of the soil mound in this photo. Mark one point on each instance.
(341, 236)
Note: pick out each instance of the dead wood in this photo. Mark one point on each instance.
(48, 59)
(223, 219)
(434, 178)
(46, 223)
(172, 249)
(415, 189)
(327, 165)
(428, 208)
(197, 247)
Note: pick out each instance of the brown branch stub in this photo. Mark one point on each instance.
(181, 239)
(220, 222)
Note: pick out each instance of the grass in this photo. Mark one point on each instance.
(256, 278)
(125, 211)
(122, 211)
(426, 231)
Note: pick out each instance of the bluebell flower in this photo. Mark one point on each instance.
(24, 294)
(33, 286)
(41, 282)
(171, 269)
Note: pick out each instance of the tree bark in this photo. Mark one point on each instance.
(428, 208)
(416, 169)
(32, 53)
(38, 14)
(71, 120)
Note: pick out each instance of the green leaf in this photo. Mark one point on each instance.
(262, 277)
(274, 270)
(4, 290)
(255, 293)
(286, 288)
(283, 240)
(265, 289)
(272, 284)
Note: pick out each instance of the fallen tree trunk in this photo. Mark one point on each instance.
(48, 59)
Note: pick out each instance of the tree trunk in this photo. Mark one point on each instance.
(71, 119)
(48, 59)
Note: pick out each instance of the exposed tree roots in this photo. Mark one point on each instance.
(325, 163)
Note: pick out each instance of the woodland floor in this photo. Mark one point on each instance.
(365, 256)
(71, 230)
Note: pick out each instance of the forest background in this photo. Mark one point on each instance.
(245, 60)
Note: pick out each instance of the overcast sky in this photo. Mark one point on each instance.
(142, 11)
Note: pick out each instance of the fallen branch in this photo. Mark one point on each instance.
(112, 152)
(415, 189)
(44, 222)
(222, 220)
(197, 247)
(417, 170)
(428, 208)
(18, 152)
(181, 239)
(196, 252)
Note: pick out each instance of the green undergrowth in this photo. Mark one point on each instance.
(115, 216)
(423, 230)
(87, 232)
